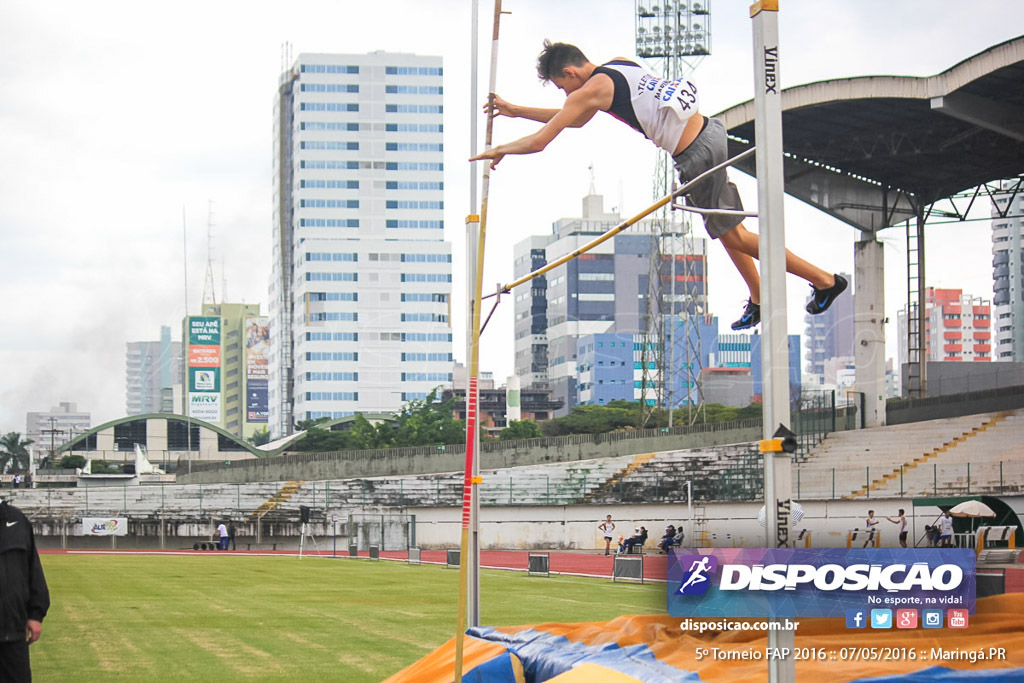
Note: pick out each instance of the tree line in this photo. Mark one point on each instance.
(431, 422)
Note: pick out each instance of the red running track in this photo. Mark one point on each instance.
(593, 564)
(577, 563)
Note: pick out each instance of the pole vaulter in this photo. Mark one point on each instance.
(667, 113)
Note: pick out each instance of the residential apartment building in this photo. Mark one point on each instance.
(757, 366)
(361, 279)
(152, 369)
(1008, 274)
(55, 426)
(958, 327)
(830, 334)
(531, 313)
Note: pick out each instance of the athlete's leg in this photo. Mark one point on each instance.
(742, 240)
(748, 271)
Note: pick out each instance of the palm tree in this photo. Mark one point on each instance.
(13, 452)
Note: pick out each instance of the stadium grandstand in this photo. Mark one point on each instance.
(546, 493)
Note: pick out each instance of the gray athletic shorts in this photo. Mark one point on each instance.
(716, 191)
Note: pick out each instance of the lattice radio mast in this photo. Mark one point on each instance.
(673, 37)
(209, 294)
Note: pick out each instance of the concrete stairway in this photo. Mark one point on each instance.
(277, 500)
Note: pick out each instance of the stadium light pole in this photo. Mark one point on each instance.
(778, 485)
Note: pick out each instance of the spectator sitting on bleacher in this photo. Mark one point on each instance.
(638, 539)
(625, 543)
(666, 540)
(678, 534)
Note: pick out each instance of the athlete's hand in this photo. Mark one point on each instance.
(499, 108)
(33, 629)
(494, 154)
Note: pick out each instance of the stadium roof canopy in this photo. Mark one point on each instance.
(230, 440)
(874, 151)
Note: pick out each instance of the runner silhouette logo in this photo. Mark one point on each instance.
(697, 573)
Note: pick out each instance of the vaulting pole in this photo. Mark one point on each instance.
(469, 554)
(612, 232)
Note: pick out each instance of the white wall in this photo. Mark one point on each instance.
(727, 524)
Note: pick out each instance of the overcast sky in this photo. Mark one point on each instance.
(117, 116)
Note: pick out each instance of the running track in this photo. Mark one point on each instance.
(592, 564)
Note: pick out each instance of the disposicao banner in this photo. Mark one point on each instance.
(817, 582)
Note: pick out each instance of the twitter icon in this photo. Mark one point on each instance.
(881, 618)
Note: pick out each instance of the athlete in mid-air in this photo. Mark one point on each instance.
(667, 113)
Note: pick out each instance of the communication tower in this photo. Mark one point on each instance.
(673, 37)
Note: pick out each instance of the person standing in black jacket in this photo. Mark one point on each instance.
(24, 597)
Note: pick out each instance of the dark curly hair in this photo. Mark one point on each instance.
(555, 57)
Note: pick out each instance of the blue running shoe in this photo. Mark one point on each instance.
(751, 316)
(821, 299)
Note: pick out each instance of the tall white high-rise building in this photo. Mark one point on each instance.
(1008, 274)
(361, 284)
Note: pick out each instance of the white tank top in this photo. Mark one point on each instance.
(654, 106)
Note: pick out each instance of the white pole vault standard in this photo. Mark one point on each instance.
(469, 555)
(475, 270)
(628, 222)
(778, 485)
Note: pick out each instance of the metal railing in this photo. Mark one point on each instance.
(732, 478)
(1001, 477)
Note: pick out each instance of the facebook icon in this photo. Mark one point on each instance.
(856, 618)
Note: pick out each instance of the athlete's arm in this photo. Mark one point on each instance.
(514, 111)
(580, 106)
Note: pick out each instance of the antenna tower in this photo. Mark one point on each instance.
(209, 295)
(674, 37)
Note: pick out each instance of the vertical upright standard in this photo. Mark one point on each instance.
(469, 557)
(473, 269)
(774, 344)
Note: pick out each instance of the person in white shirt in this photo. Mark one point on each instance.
(901, 520)
(869, 523)
(223, 531)
(946, 530)
(607, 527)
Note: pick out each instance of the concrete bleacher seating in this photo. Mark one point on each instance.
(934, 457)
(923, 458)
(557, 483)
(716, 473)
(720, 473)
(140, 502)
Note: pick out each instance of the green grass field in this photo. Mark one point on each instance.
(232, 617)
